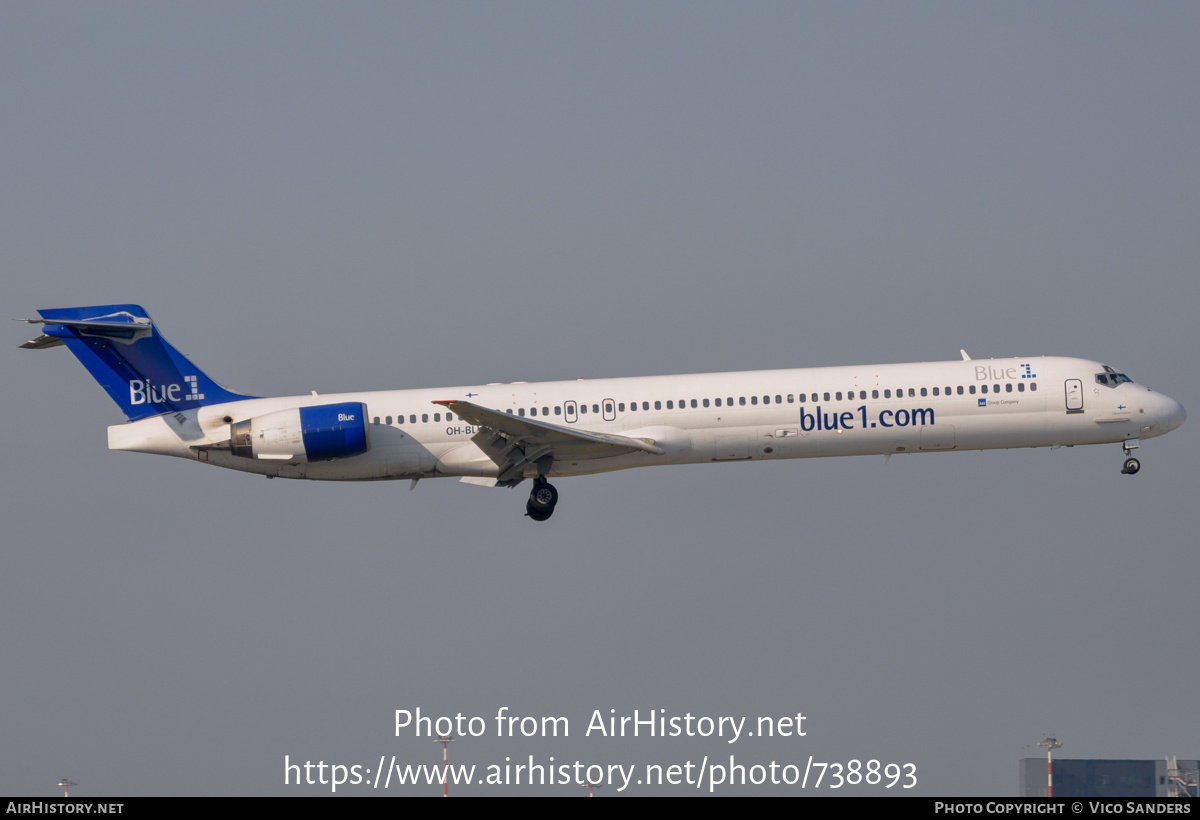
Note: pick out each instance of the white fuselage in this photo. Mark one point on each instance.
(752, 415)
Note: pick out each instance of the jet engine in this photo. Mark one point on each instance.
(303, 434)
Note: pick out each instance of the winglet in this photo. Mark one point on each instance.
(966, 358)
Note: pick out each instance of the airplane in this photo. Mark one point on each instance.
(503, 433)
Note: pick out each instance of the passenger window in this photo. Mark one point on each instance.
(983, 388)
(646, 405)
(583, 409)
(437, 416)
(425, 417)
(388, 420)
(718, 402)
(412, 418)
(729, 401)
(399, 419)
(742, 401)
(376, 420)
(621, 407)
(1020, 387)
(595, 408)
(912, 394)
(658, 405)
(520, 412)
(670, 404)
(694, 402)
(1008, 387)
(887, 394)
(608, 407)
(971, 390)
(874, 394)
(791, 398)
(947, 392)
(924, 392)
(558, 410)
(1033, 385)
(826, 397)
(706, 402)
(995, 388)
(754, 399)
(803, 397)
(960, 390)
(935, 391)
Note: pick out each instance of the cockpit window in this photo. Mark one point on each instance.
(1112, 379)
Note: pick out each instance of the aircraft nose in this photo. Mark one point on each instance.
(1167, 412)
(1176, 414)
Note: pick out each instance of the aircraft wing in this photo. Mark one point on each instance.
(515, 441)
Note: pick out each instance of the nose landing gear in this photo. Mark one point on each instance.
(542, 499)
(1132, 465)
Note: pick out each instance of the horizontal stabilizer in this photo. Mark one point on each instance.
(133, 323)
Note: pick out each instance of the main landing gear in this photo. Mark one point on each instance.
(542, 499)
(1132, 465)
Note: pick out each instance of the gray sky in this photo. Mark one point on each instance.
(398, 195)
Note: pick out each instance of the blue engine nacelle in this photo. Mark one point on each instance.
(303, 434)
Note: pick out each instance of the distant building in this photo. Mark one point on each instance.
(1111, 778)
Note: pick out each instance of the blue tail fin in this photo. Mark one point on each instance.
(124, 351)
